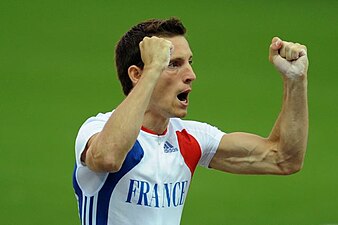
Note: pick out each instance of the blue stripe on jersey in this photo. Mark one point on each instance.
(134, 156)
(78, 192)
(91, 210)
(85, 211)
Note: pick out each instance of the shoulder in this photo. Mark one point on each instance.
(203, 132)
(90, 127)
(98, 120)
(195, 133)
(102, 117)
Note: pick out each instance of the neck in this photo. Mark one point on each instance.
(156, 123)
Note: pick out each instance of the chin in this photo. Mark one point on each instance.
(181, 114)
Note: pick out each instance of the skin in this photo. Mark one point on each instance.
(167, 69)
(283, 151)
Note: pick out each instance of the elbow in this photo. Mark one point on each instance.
(109, 165)
(101, 162)
(291, 161)
(291, 169)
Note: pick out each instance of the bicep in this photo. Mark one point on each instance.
(244, 153)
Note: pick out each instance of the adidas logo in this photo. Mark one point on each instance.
(169, 148)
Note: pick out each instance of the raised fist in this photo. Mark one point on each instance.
(290, 59)
(155, 52)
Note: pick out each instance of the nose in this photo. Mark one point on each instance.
(189, 75)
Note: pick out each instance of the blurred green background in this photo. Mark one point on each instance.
(56, 70)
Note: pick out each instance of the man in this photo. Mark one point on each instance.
(134, 165)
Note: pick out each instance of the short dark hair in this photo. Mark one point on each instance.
(127, 51)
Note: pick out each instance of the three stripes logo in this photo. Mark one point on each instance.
(169, 148)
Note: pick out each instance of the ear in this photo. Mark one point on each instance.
(134, 73)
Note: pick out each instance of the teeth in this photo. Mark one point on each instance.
(183, 97)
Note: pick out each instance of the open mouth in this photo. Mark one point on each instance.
(183, 97)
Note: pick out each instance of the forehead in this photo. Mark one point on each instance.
(181, 47)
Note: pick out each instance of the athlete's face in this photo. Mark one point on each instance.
(171, 95)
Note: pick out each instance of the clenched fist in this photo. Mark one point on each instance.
(290, 59)
(155, 52)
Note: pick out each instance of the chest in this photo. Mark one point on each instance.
(162, 160)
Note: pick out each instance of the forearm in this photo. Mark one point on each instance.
(107, 150)
(283, 151)
(290, 132)
(111, 145)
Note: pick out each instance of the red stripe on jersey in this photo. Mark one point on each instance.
(153, 132)
(190, 149)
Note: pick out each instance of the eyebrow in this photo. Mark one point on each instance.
(180, 58)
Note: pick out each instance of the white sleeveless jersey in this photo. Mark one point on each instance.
(152, 185)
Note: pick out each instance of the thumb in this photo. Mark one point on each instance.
(276, 44)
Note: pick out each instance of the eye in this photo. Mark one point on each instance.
(174, 64)
(190, 61)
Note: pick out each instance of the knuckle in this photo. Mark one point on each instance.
(294, 49)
